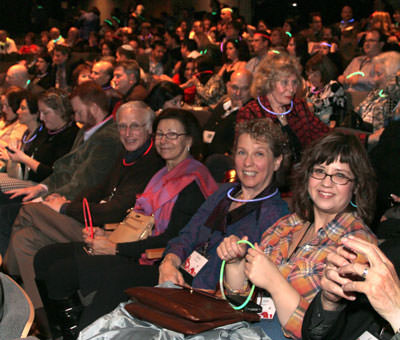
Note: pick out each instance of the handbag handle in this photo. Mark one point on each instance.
(87, 215)
(221, 281)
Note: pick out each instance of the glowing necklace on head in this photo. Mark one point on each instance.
(276, 113)
(228, 194)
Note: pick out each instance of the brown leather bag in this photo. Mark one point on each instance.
(186, 311)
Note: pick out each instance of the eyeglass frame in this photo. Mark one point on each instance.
(331, 176)
(159, 135)
(134, 127)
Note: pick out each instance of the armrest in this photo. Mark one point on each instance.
(154, 254)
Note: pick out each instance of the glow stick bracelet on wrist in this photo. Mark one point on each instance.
(362, 74)
(221, 281)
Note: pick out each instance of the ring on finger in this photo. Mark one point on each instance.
(364, 273)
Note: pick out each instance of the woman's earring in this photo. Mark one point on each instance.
(353, 204)
(188, 148)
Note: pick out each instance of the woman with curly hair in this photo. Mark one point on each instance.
(275, 87)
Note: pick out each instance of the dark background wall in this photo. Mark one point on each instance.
(20, 16)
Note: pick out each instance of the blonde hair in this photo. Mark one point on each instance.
(271, 69)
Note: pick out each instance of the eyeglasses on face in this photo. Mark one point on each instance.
(168, 135)
(134, 127)
(337, 178)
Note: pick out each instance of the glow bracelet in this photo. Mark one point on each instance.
(221, 281)
(362, 74)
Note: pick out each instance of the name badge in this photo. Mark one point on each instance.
(194, 263)
(268, 307)
(367, 336)
(208, 136)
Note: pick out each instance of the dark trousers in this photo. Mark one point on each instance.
(66, 268)
(9, 209)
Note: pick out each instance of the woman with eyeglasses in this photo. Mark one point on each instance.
(249, 206)
(333, 197)
(172, 196)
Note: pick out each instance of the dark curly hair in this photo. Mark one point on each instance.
(344, 148)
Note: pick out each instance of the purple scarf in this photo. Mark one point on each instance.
(161, 192)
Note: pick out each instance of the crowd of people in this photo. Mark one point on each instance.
(137, 115)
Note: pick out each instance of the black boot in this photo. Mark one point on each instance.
(68, 312)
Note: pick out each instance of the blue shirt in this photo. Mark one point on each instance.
(195, 233)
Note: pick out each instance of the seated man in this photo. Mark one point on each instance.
(359, 74)
(92, 156)
(60, 220)
(219, 131)
(101, 74)
(127, 82)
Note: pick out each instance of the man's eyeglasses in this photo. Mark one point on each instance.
(134, 127)
(337, 178)
(168, 135)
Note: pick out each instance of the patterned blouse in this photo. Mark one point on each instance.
(303, 269)
(329, 103)
(381, 105)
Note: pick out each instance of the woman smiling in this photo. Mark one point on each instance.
(289, 261)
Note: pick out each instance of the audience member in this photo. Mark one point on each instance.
(325, 96)
(173, 195)
(219, 131)
(358, 75)
(7, 45)
(126, 81)
(260, 45)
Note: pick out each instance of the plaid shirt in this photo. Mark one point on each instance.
(301, 121)
(303, 269)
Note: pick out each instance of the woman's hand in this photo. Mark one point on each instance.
(96, 232)
(30, 192)
(168, 270)
(331, 282)
(230, 251)
(101, 245)
(381, 284)
(17, 155)
(260, 270)
(191, 82)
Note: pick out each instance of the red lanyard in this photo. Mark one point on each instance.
(145, 153)
(87, 214)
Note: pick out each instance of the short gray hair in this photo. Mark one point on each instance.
(390, 62)
(144, 109)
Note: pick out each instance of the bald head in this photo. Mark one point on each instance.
(102, 72)
(239, 87)
(54, 33)
(17, 75)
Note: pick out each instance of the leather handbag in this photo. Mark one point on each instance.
(183, 310)
(134, 227)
